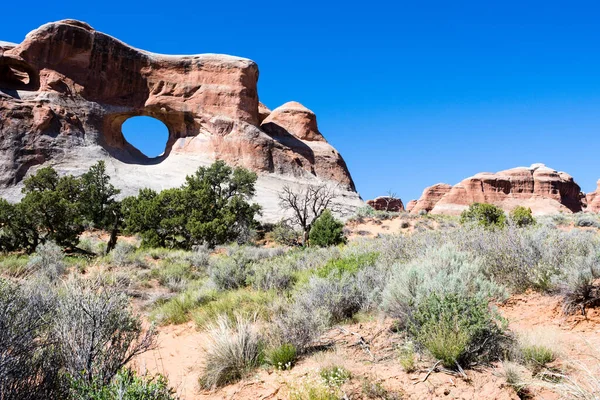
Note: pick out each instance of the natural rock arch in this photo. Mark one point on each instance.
(83, 84)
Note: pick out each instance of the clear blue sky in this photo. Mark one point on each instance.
(411, 93)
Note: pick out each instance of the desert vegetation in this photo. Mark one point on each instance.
(69, 329)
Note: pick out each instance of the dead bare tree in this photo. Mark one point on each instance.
(307, 204)
(389, 199)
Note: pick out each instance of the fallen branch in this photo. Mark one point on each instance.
(361, 341)
(429, 372)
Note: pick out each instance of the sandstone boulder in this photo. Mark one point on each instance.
(385, 203)
(411, 205)
(66, 90)
(543, 189)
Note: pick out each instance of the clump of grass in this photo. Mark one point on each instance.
(334, 375)
(514, 378)
(375, 390)
(234, 349)
(282, 357)
(174, 276)
(406, 358)
(337, 267)
(228, 304)
(177, 310)
(537, 356)
(313, 389)
(14, 265)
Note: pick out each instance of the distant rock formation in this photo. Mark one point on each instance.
(593, 199)
(386, 203)
(411, 205)
(543, 189)
(430, 197)
(66, 90)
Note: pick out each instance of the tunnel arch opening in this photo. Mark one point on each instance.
(147, 135)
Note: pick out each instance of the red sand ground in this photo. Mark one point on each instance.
(180, 354)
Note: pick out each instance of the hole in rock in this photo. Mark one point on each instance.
(146, 134)
(21, 76)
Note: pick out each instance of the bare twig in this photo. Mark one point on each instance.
(429, 372)
(361, 341)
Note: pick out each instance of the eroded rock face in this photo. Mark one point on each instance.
(544, 190)
(430, 197)
(385, 203)
(66, 90)
(410, 205)
(593, 200)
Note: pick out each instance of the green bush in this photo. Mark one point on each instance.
(97, 199)
(126, 385)
(282, 357)
(211, 208)
(456, 329)
(326, 231)
(487, 215)
(56, 208)
(522, 216)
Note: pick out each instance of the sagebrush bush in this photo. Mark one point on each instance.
(235, 270)
(576, 283)
(284, 233)
(48, 260)
(233, 350)
(297, 324)
(586, 220)
(126, 385)
(442, 271)
(442, 300)
(231, 272)
(174, 275)
(273, 274)
(29, 368)
(200, 256)
(97, 333)
(121, 254)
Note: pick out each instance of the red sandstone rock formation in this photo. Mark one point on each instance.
(538, 187)
(430, 197)
(386, 203)
(66, 90)
(593, 200)
(411, 205)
